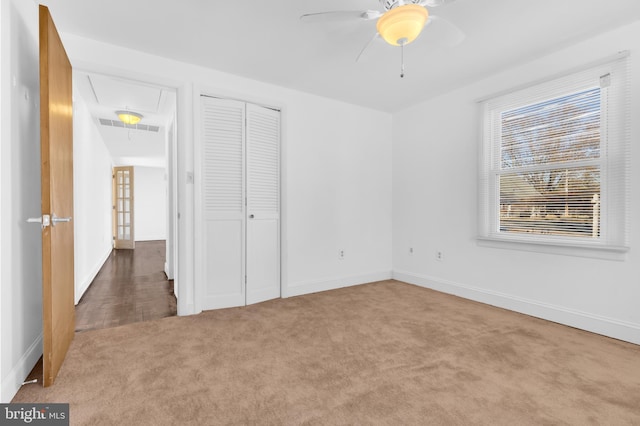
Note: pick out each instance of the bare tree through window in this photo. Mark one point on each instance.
(549, 172)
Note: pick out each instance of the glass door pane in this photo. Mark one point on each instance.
(123, 207)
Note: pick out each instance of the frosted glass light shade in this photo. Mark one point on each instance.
(401, 25)
(129, 117)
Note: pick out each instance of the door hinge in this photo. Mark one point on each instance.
(245, 279)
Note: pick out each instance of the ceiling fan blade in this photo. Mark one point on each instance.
(341, 15)
(434, 3)
(366, 46)
(454, 35)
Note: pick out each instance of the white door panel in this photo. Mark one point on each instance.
(240, 160)
(263, 259)
(223, 197)
(224, 264)
(263, 204)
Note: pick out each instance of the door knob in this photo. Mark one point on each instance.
(251, 216)
(55, 219)
(43, 220)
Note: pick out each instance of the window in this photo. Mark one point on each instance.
(555, 162)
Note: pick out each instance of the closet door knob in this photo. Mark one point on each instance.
(251, 216)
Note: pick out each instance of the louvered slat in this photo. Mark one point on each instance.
(263, 153)
(222, 156)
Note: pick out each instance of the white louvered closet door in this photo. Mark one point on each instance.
(263, 204)
(240, 159)
(223, 196)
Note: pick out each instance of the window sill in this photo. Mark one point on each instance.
(559, 248)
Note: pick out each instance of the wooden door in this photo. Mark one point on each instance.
(56, 128)
(263, 204)
(123, 208)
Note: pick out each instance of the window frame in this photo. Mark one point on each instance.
(611, 74)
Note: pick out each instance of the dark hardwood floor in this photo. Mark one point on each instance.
(130, 287)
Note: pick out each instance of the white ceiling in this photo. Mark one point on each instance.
(142, 145)
(265, 40)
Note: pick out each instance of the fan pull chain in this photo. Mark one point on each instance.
(402, 43)
(402, 61)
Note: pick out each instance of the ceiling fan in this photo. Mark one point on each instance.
(399, 24)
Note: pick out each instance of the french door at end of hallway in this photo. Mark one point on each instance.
(123, 235)
(240, 190)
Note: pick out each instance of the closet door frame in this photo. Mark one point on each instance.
(199, 261)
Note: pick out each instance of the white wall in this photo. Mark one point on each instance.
(2, 190)
(150, 203)
(336, 171)
(435, 166)
(92, 202)
(3, 36)
(338, 188)
(21, 243)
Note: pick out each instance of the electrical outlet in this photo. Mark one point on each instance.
(439, 256)
(410, 251)
(341, 254)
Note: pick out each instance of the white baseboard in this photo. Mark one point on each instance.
(307, 287)
(168, 272)
(186, 310)
(88, 279)
(12, 382)
(611, 327)
(150, 238)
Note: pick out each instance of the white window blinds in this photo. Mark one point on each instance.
(555, 161)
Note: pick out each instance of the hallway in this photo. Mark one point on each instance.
(130, 287)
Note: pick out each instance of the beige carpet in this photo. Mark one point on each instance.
(382, 353)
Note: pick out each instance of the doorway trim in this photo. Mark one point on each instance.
(181, 213)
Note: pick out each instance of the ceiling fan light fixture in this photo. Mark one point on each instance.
(403, 24)
(129, 117)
